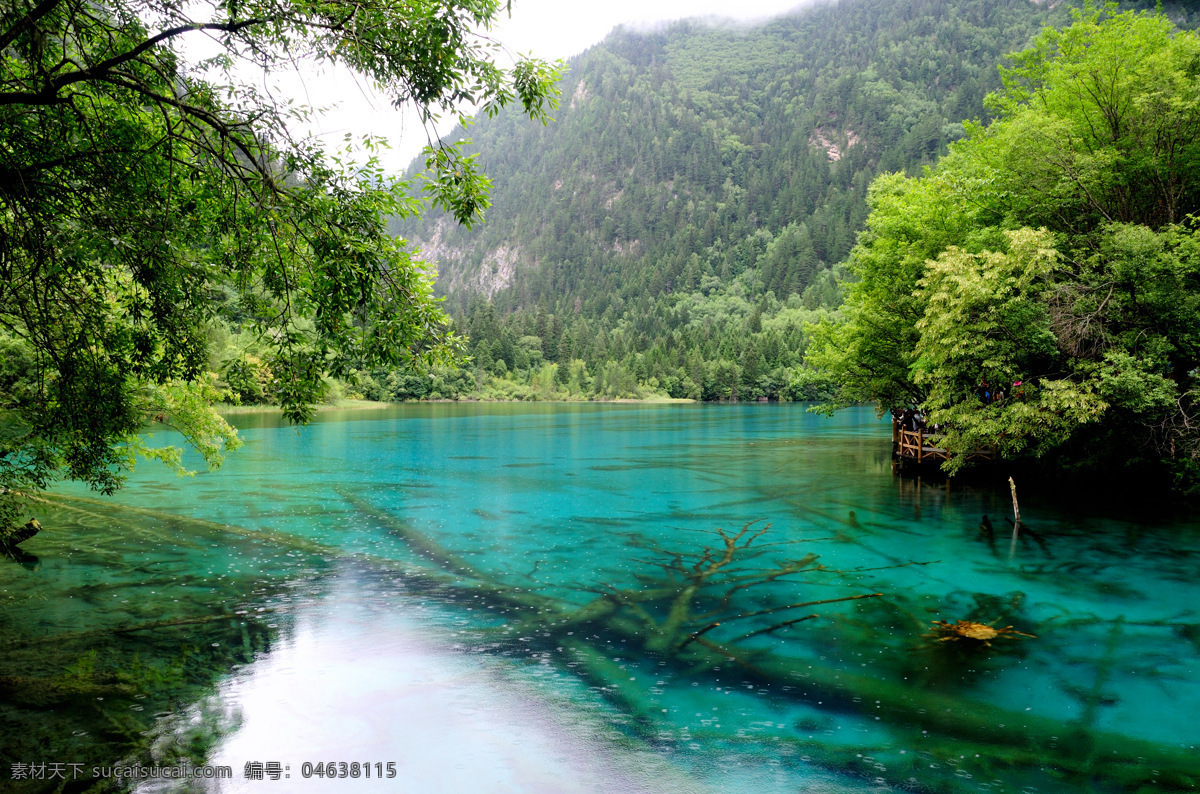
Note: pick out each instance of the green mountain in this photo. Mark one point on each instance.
(684, 216)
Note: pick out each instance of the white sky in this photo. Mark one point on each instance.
(550, 29)
(562, 28)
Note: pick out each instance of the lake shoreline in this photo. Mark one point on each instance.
(373, 405)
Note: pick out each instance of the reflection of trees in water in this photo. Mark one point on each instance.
(135, 630)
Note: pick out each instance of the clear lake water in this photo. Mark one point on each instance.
(598, 598)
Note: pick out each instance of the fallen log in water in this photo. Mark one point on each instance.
(39, 692)
(124, 628)
(71, 503)
(1022, 737)
(1011, 738)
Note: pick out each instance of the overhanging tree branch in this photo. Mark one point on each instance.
(27, 22)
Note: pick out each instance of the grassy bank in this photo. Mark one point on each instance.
(345, 404)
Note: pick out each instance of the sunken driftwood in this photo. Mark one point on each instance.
(682, 636)
(953, 722)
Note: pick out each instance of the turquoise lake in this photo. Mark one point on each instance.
(583, 597)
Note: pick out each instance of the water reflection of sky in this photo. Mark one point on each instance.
(365, 677)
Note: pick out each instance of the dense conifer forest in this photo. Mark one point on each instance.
(689, 211)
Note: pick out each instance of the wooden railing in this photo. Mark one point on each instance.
(921, 446)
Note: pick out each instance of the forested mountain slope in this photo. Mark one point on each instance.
(682, 219)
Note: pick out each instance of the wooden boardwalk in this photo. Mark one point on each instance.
(921, 447)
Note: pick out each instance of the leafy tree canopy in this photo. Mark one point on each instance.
(688, 212)
(140, 197)
(1054, 248)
